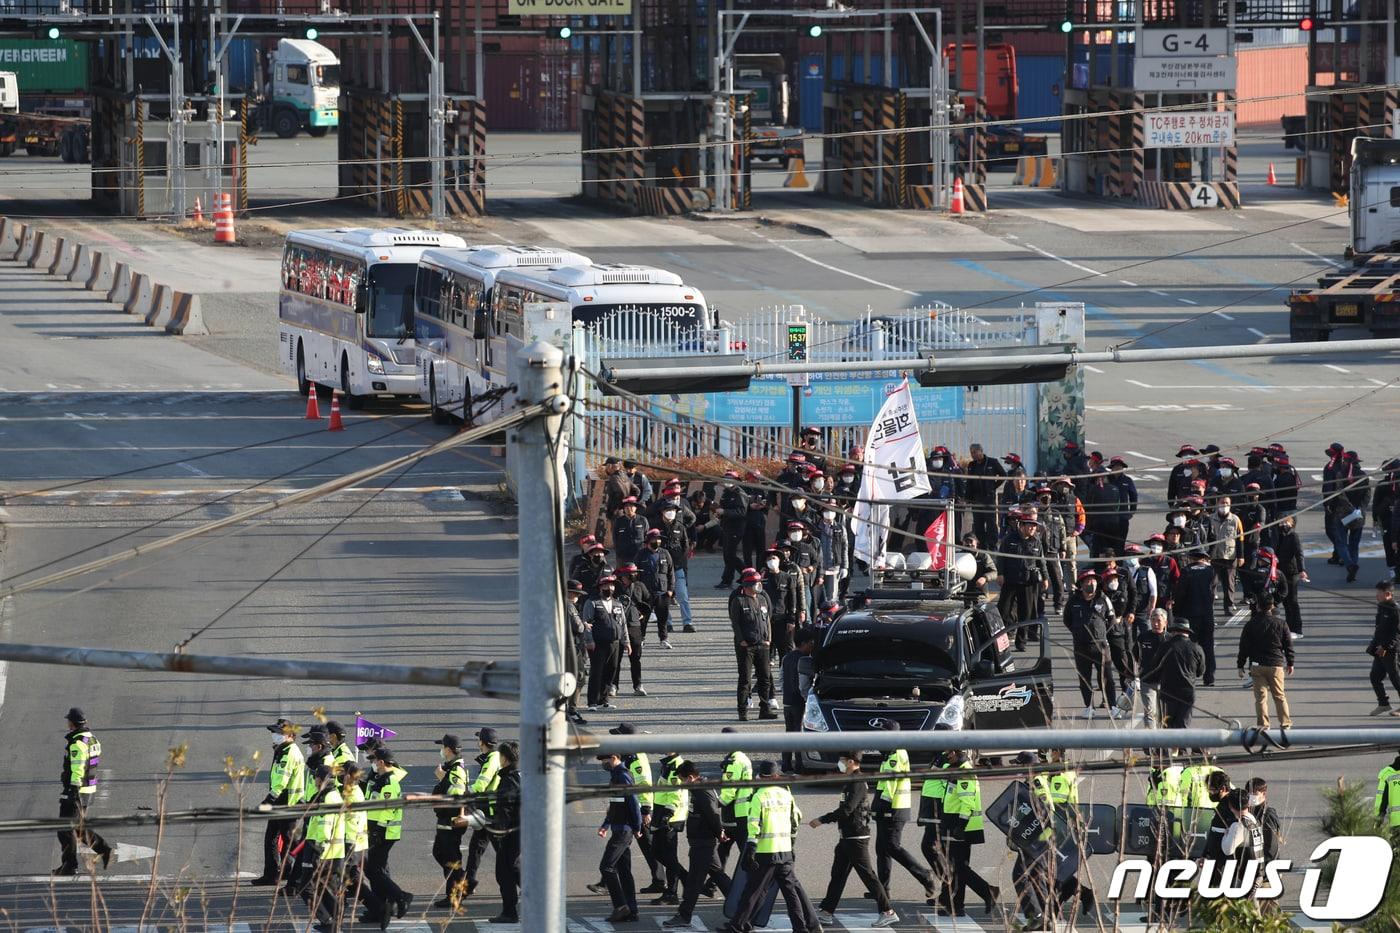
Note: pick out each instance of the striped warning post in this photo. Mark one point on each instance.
(745, 177)
(979, 144)
(1139, 143)
(1392, 101)
(889, 148)
(1364, 121)
(243, 136)
(1115, 144)
(902, 150)
(922, 197)
(400, 176)
(869, 107)
(975, 197)
(618, 113)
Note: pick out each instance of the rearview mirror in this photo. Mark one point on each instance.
(983, 669)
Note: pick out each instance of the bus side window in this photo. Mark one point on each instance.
(481, 319)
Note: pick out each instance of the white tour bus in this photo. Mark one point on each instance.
(346, 309)
(451, 319)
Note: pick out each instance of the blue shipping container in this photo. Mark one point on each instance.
(809, 92)
(1040, 90)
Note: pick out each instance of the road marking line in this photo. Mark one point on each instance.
(1317, 477)
(1136, 383)
(837, 269)
(192, 469)
(1093, 369)
(82, 878)
(1335, 368)
(1129, 284)
(1239, 615)
(1375, 381)
(1158, 292)
(1258, 333)
(950, 924)
(1186, 301)
(78, 420)
(1221, 314)
(1303, 249)
(1073, 265)
(1138, 453)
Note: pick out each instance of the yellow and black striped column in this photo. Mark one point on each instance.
(1364, 122)
(745, 177)
(1139, 153)
(243, 156)
(1115, 145)
(635, 158)
(1392, 101)
(979, 143)
(902, 150)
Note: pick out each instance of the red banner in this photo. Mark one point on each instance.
(936, 538)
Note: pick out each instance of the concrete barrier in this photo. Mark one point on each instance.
(26, 245)
(120, 289)
(82, 264)
(12, 235)
(100, 275)
(162, 304)
(62, 257)
(138, 299)
(186, 316)
(42, 253)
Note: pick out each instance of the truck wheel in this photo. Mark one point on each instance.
(285, 124)
(65, 147)
(318, 131)
(352, 401)
(1302, 334)
(6, 150)
(438, 415)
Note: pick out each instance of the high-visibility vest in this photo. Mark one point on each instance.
(964, 799)
(1388, 790)
(487, 780)
(84, 755)
(289, 773)
(342, 754)
(896, 790)
(640, 767)
(309, 775)
(773, 819)
(737, 767)
(357, 822)
(316, 825)
(1167, 791)
(1193, 786)
(333, 827)
(932, 795)
(391, 819)
(1058, 789)
(677, 801)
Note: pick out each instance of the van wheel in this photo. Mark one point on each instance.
(303, 384)
(285, 124)
(352, 401)
(438, 415)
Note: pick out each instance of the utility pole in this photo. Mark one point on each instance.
(543, 681)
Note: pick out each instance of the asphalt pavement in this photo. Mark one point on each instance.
(121, 434)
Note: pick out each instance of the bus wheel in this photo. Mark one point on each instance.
(439, 416)
(352, 401)
(303, 384)
(468, 404)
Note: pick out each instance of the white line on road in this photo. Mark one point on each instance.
(1136, 383)
(1258, 333)
(1073, 265)
(1375, 381)
(1138, 453)
(1129, 284)
(191, 468)
(107, 879)
(1159, 293)
(1222, 314)
(1093, 369)
(1187, 301)
(829, 267)
(1335, 368)
(78, 420)
(1303, 249)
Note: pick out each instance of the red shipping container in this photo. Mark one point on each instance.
(1271, 72)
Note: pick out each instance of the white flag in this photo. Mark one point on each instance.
(894, 463)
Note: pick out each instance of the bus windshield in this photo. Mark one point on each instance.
(390, 314)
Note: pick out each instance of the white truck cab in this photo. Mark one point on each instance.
(1374, 198)
(305, 88)
(9, 92)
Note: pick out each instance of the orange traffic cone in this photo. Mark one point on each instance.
(336, 424)
(313, 407)
(957, 207)
(198, 212)
(1273, 179)
(223, 220)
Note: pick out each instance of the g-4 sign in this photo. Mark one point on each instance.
(1169, 43)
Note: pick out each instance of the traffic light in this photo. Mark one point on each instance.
(1306, 24)
(54, 32)
(312, 32)
(1066, 26)
(564, 32)
(814, 31)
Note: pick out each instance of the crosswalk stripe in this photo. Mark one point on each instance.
(952, 924)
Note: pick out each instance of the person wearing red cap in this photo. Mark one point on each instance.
(637, 599)
(678, 538)
(1077, 466)
(733, 517)
(591, 564)
(607, 619)
(629, 531)
(1260, 471)
(1021, 568)
(751, 618)
(1330, 470)
(1088, 614)
(1186, 469)
(616, 487)
(1286, 485)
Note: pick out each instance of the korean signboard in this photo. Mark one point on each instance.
(1183, 130)
(1196, 73)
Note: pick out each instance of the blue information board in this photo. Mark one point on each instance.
(827, 403)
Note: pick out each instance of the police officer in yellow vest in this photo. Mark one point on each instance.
(356, 829)
(670, 809)
(1195, 785)
(483, 787)
(768, 857)
(327, 890)
(318, 755)
(286, 781)
(385, 900)
(892, 811)
(962, 818)
(1388, 795)
(447, 843)
(1165, 787)
(734, 801)
(934, 844)
(1059, 789)
(341, 752)
(82, 753)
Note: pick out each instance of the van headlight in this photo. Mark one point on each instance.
(375, 365)
(812, 718)
(951, 716)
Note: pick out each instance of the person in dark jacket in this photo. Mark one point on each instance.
(658, 575)
(621, 824)
(1195, 599)
(796, 671)
(986, 568)
(1288, 551)
(733, 513)
(1384, 648)
(1105, 511)
(1267, 646)
(636, 599)
(1181, 475)
(751, 618)
(1088, 615)
(1383, 509)
(1023, 576)
(678, 538)
(1151, 640)
(608, 620)
(984, 479)
(1286, 485)
(1176, 667)
(1351, 496)
(591, 565)
(1077, 466)
(629, 530)
(1118, 476)
(616, 487)
(1258, 790)
(505, 829)
(783, 585)
(704, 831)
(1116, 583)
(756, 528)
(581, 641)
(852, 818)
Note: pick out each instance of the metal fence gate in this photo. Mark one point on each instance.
(698, 431)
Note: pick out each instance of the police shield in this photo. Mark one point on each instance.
(1018, 815)
(736, 896)
(1098, 824)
